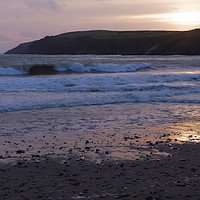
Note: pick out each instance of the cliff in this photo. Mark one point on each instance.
(115, 42)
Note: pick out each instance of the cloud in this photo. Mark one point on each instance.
(4, 38)
(22, 20)
(42, 5)
(27, 34)
(52, 5)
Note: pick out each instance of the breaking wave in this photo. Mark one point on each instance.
(22, 93)
(9, 71)
(75, 68)
(101, 68)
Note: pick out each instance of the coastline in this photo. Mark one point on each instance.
(94, 152)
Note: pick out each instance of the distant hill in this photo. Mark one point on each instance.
(115, 42)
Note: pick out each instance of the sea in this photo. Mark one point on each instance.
(84, 80)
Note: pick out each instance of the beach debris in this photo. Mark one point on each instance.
(61, 173)
(150, 143)
(149, 198)
(87, 148)
(122, 165)
(136, 137)
(128, 138)
(3, 170)
(179, 184)
(87, 142)
(97, 151)
(20, 151)
(20, 163)
(107, 152)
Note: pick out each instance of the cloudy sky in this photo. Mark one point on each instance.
(26, 20)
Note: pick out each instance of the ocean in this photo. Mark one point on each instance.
(100, 127)
(83, 80)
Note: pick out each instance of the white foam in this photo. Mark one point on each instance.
(78, 68)
(106, 68)
(109, 83)
(34, 92)
(119, 68)
(10, 71)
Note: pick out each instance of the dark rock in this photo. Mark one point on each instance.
(42, 70)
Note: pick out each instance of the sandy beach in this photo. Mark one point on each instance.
(98, 152)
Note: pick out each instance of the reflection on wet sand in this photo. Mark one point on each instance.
(187, 131)
(98, 133)
(110, 152)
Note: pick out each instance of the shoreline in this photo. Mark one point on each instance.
(114, 130)
(100, 151)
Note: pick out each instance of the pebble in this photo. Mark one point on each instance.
(149, 198)
(97, 151)
(20, 151)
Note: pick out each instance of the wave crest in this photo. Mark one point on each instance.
(73, 68)
(10, 71)
(101, 68)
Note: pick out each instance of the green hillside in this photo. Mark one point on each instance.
(115, 42)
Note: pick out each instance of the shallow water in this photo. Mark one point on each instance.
(125, 131)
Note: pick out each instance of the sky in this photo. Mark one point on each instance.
(27, 20)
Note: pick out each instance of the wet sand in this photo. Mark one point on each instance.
(98, 152)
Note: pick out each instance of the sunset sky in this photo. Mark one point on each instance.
(26, 20)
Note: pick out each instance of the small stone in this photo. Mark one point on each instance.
(20, 163)
(87, 142)
(136, 137)
(97, 151)
(61, 174)
(75, 184)
(122, 165)
(20, 151)
(149, 198)
(193, 170)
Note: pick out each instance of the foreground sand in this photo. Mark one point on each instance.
(98, 152)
